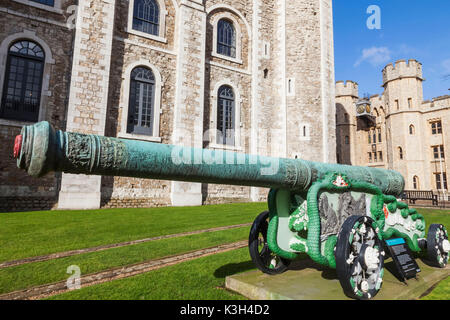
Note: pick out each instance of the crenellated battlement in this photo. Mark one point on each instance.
(402, 69)
(348, 88)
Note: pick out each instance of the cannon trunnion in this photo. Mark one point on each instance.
(338, 215)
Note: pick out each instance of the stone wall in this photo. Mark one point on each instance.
(279, 44)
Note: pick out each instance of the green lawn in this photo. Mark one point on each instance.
(36, 233)
(27, 234)
(39, 273)
(199, 279)
(441, 292)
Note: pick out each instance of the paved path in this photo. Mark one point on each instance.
(118, 273)
(110, 246)
(306, 280)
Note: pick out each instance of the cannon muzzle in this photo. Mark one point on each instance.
(40, 149)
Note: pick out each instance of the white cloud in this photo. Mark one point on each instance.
(376, 56)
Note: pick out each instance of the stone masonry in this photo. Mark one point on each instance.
(282, 77)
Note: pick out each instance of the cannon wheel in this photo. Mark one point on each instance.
(262, 257)
(359, 258)
(436, 238)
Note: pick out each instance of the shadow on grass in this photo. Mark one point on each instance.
(233, 268)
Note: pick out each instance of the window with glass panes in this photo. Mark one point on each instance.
(438, 152)
(46, 2)
(146, 16)
(21, 96)
(225, 115)
(142, 101)
(441, 180)
(226, 38)
(436, 127)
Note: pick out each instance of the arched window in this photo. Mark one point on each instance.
(412, 130)
(23, 81)
(376, 114)
(226, 38)
(400, 153)
(142, 101)
(416, 183)
(225, 115)
(146, 16)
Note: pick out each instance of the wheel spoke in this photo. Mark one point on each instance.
(265, 255)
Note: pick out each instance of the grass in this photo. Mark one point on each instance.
(34, 274)
(441, 292)
(35, 233)
(28, 234)
(199, 279)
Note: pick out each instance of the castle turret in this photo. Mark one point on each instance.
(402, 69)
(349, 88)
(404, 96)
(403, 85)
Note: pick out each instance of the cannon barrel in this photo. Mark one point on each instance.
(40, 149)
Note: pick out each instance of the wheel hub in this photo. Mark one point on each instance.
(359, 258)
(371, 257)
(446, 246)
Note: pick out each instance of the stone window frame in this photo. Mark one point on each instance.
(161, 37)
(57, 6)
(438, 152)
(305, 131)
(237, 28)
(212, 132)
(48, 62)
(441, 180)
(436, 127)
(124, 102)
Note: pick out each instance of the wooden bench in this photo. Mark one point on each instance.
(413, 195)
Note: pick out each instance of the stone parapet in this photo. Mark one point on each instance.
(402, 69)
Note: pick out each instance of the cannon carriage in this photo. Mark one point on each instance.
(338, 215)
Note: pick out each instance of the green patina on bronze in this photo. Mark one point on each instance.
(45, 150)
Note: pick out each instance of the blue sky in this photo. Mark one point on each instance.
(410, 29)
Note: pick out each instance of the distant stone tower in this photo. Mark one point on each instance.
(346, 121)
(396, 130)
(403, 97)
